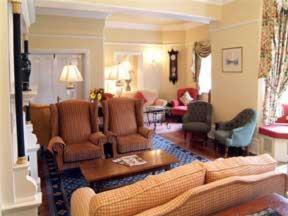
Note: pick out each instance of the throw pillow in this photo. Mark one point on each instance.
(140, 96)
(186, 98)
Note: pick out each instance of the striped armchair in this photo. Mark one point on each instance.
(75, 133)
(124, 127)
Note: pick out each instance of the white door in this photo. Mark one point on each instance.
(46, 70)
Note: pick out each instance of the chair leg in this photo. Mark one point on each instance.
(226, 151)
(247, 150)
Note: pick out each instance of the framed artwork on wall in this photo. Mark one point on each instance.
(232, 60)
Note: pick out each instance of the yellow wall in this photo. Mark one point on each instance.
(156, 75)
(232, 92)
(59, 32)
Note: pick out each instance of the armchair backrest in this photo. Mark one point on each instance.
(74, 120)
(192, 91)
(123, 116)
(244, 117)
(200, 111)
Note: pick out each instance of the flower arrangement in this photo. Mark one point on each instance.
(96, 94)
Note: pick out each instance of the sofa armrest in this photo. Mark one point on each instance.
(111, 137)
(175, 103)
(98, 138)
(80, 201)
(145, 132)
(56, 144)
(160, 102)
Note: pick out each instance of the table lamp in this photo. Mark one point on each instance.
(70, 75)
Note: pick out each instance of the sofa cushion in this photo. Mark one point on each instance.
(81, 151)
(238, 166)
(132, 142)
(186, 98)
(150, 192)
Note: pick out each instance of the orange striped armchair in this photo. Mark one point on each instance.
(124, 126)
(75, 133)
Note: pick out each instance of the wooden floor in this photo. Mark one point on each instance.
(176, 136)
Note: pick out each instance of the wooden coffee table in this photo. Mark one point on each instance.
(273, 201)
(99, 170)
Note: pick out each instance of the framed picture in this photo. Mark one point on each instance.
(232, 59)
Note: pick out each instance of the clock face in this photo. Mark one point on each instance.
(173, 57)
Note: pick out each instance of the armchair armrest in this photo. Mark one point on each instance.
(175, 102)
(147, 133)
(98, 138)
(80, 201)
(223, 126)
(160, 102)
(56, 144)
(242, 136)
(111, 137)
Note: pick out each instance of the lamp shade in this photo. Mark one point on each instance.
(124, 71)
(70, 74)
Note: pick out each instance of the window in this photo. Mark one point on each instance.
(205, 75)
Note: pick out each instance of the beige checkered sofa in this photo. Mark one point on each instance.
(192, 189)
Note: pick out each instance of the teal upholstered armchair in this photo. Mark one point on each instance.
(237, 132)
(197, 120)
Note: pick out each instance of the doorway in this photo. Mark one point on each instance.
(45, 73)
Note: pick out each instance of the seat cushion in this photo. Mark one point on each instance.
(179, 110)
(81, 151)
(148, 193)
(133, 142)
(238, 166)
(223, 136)
(196, 127)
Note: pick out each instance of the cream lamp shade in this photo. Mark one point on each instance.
(70, 75)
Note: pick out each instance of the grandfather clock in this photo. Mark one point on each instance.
(173, 66)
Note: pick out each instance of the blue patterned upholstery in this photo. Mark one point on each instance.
(237, 132)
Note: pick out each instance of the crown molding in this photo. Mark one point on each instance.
(94, 7)
(128, 25)
(236, 25)
(215, 2)
(90, 37)
(150, 27)
(71, 12)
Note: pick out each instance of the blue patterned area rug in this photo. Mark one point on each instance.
(61, 187)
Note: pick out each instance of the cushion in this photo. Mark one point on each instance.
(133, 142)
(74, 121)
(122, 116)
(186, 98)
(125, 201)
(140, 96)
(238, 166)
(196, 126)
(222, 136)
(81, 151)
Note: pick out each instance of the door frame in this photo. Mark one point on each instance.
(86, 56)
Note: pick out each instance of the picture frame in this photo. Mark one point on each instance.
(232, 60)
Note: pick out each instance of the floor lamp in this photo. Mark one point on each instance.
(70, 75)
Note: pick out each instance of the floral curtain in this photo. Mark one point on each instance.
(274, 56)
(201, 49)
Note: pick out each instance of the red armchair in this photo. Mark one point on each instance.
(75, 133)
(284, 118)
(178, 108)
